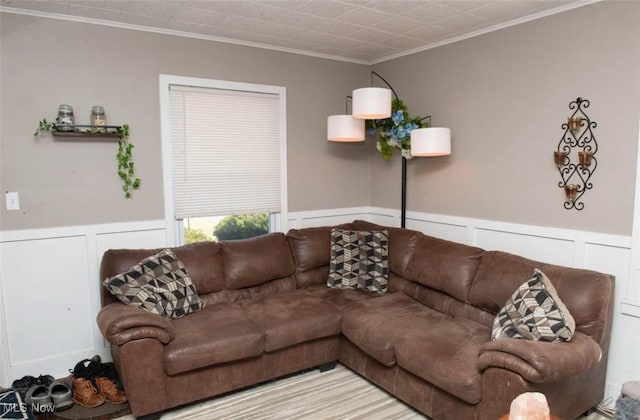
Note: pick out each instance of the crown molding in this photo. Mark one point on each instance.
(486, 30)
(164, 31)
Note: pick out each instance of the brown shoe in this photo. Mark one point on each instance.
(85, 394)
(109, 391)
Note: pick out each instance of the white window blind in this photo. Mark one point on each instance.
(226, 151)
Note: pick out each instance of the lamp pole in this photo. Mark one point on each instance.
(403, 208)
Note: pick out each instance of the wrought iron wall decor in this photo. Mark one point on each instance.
(575, 155)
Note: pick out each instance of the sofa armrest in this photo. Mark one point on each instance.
(538, 361)
(120, 323)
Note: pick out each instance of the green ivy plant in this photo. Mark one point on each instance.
(45, 126)
(126, 167)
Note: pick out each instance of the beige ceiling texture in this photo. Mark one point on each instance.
(364, 31)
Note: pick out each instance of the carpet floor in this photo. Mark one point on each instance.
(335, 394)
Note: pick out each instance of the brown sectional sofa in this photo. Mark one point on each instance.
(269, 313)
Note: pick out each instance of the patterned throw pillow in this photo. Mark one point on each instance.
(359, 259)
(158, 284)
(535, 312)
(344, 264)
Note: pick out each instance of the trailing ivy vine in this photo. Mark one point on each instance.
(45, 126)
(126, 166)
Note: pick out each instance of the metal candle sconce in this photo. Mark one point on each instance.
(578, 138)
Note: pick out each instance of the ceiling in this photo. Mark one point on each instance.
(364, 31)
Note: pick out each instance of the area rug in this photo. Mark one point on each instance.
(335, 394)
(12, 407)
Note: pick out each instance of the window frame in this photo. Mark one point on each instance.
(174, 227)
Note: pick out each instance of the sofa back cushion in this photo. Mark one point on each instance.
(402, 244)
(587, 294)
(445, 266)
(441, 302)
(203, 261)
(255, 261)
(311, 249)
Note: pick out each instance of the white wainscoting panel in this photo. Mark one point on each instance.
(448, 231)
(313, 218)
(625, 340)
(47, 305)
(384, 217)
(50, 291)
(140, 239)
(551, 250)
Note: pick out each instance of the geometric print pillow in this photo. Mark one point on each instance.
(158, 284)
(344, 263)
(359, 259)
(535, 312)
(373, 273)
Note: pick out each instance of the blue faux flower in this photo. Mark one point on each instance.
(398, 117)
(401, 132)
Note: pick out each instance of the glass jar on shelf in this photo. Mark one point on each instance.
(98, 117)
(65, 120)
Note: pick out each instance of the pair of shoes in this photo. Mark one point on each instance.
(45, 399)
(103, 383)
(91, 369)
(24, 384)
(85, 394)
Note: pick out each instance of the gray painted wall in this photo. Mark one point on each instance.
(46, 62)
(505, 96)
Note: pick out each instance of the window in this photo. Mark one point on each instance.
(224, 153)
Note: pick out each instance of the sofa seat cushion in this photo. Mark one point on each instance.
(292, 317)
(375, 325)
(217, 334)
(341, 297)
(445, 354)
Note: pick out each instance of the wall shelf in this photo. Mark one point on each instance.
(100, 131)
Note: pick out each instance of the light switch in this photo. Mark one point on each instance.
(13, 200)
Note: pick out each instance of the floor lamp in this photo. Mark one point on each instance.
(425, 142)
(374, 103)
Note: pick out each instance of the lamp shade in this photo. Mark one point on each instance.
(432, 141)
(371, 103)
(345, 128)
